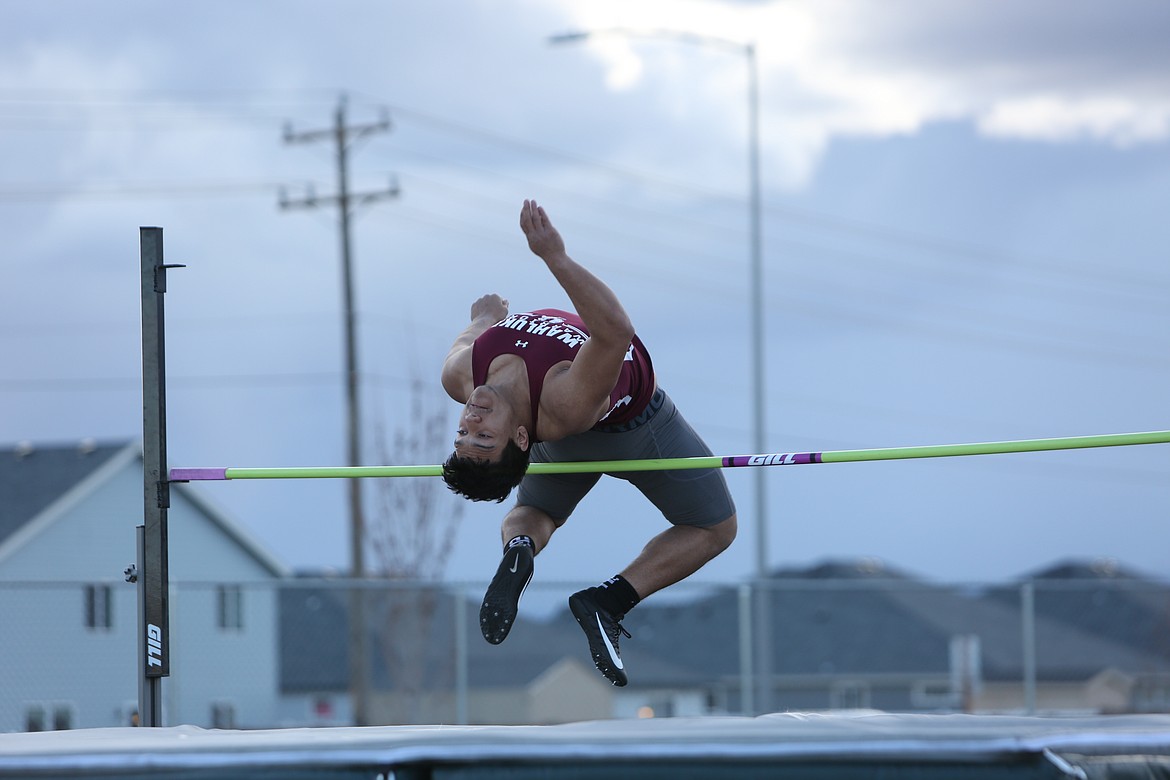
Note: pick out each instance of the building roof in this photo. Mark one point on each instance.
(404, 627)
(1102, 599)
(36, 478)
(863, 624)
(860, 619)
(33, 477)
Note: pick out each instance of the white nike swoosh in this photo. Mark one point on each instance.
(515, 563)
(613, 656)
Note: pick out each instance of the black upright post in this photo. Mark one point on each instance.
(154, 638)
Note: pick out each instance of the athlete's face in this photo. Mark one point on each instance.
(485, 426)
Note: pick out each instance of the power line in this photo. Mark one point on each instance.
(37, 192)
(858, 301)
(82, 384)
(118, 100)
(240, 101)
(840, 225)
(873, 306)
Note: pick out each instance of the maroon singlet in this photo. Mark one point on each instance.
(545, 337)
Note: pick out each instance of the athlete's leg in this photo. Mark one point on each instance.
(677, 553)
(697, 504)
(671, 556)
(525, 531)
(531, 522)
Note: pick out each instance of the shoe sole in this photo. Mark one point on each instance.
(599, 646)
(497, 614)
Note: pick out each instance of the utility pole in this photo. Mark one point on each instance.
(344, 136)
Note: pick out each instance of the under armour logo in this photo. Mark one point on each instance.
(522, 343)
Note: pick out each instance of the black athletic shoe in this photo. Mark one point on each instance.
(603, 630)
(498, 612)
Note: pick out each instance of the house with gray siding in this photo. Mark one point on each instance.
(68, 647)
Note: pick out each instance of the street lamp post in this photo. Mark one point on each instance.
(756, 300)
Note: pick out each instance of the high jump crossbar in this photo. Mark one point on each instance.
(708, 462)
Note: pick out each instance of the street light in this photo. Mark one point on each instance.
(748, 50)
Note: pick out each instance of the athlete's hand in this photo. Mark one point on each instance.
(489, 307)
(543, 238)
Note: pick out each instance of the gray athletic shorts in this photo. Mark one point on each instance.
(696, 497)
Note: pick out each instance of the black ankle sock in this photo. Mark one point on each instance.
(616, 595)
(521, 541)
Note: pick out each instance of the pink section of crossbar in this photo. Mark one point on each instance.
(189, 475)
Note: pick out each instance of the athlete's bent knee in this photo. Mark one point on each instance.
(723, 533)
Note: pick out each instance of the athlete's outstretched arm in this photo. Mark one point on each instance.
(597, 305)
(579, 397)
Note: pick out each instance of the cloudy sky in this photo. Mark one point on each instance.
(963, 223)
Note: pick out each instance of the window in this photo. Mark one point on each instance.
(99, 609)
(41, 717)
(223, 715)
(849, 696)
(933, 694)
(230, 607)
(1151, 694)
(34, 718)
(62, 717)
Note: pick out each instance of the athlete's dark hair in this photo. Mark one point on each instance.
(481, 481)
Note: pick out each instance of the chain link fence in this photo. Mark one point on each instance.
(279, 654)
